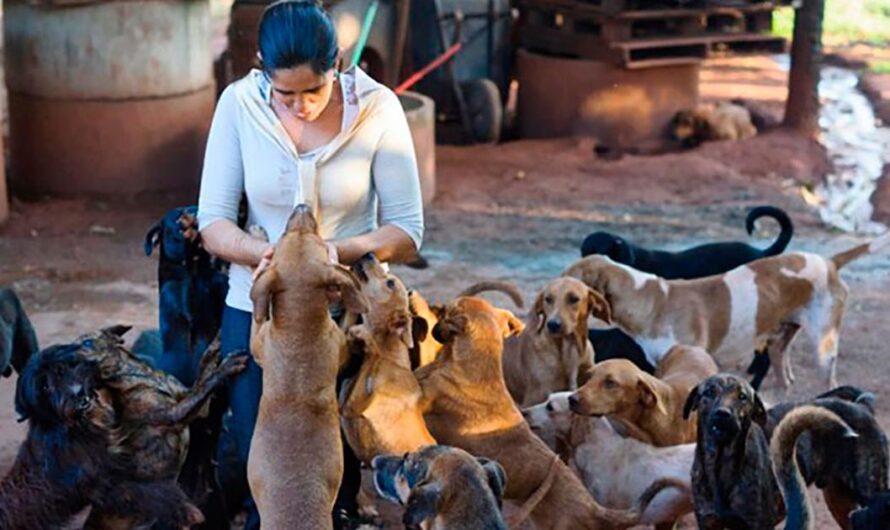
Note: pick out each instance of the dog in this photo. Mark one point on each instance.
(732, 470)
(443, 485)
(652, 405)
(821, 424)
(768, 300)
(296, 457)
(466, 404)
(18, 342)
(77, 453)
(612, 343)
(615, 469)
(427, 348)
(696, 262)
(875, 515)
(552, 353)
(380, 412)
(192, 287)
(849, 474)
(709, 122)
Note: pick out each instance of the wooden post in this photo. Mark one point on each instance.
(802, 107)
(4, 196)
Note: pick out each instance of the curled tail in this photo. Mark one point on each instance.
(822, 423)
(781, 217)
(631, 516)
(505, 287)
(842, 258)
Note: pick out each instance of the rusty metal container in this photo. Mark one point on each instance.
(107, 97)
(619, 107)
(421, 113)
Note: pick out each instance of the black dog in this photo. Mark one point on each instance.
(72, 455)
(612, 343)
(192, 288)
(18, 342)
(875, 515)
(733, 485)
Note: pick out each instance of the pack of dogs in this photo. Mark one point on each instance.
(464, 415)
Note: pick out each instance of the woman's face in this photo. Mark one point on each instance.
(303, 92)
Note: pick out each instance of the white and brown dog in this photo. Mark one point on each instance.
(731, 314)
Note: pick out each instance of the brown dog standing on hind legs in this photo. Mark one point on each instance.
(553, 352)
(380, 412)
(296, 463)
(731, 314)
(467, 405)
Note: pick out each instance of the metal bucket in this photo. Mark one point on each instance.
(108, 97)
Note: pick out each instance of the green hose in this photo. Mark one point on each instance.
(366, 32)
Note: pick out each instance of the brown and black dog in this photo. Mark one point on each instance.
(296, 460)
(651, 405)
(553, 353)
(380, 413)
(443, 488)
(466, 404)
(732, 478)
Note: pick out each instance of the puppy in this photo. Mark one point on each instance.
(615, 469)
(18, 342)
(696, 262)
(443, 488)
(875, 515)
(711, 122)
(823, 425)
(652, 405)
(77, 453)
(192, 287)
(552, 353)
(466, 404)
(729, 315)
(380, 412)
(296, 457)
(732, 471)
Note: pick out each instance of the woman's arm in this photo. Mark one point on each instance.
(224, 239)
(388, 243)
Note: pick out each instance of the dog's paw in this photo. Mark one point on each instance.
(234, 364)
(188, 226)
(211, 357)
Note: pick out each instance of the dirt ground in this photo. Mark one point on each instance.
(514, 212)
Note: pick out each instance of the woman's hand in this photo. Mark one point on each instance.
(265, 261)
(333, 254)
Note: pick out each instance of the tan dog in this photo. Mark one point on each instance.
(553, 353)
(467, 405)
(380, 414)
(296, 461)
(712, 121)
(428, 347)
(615, 469)
(653, 405)
(730, 314)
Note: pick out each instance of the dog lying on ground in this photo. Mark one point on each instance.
(652, 405)
(466, 404)
(552, 353)
(696, 262)
(78, 453)
(615, 469)
(296, 457)
(729, 315)
(191, 286)
(732, 478)
(821, 424)
(443, 485)
(18, 342)
(711, 122)
(849, 474)
(380, 412)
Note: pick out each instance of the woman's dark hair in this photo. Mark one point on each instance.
(297, 32)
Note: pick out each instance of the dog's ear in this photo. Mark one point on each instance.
(649, 395)
(261, 293)
(691, 403)
(497, 478)
(450, 326)
(759, 415)
(599, 306)
(350, 289)
(152, 238)
(27, 393)
(423, 503)
(403, 326)
(510, 325)
(538, 312)
(420, 328)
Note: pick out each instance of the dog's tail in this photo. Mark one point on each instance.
(784, 221)
(505, 287)
(631, 516)
(842, 258)
(822, 423)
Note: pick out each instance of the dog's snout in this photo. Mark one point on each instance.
(554, 326)
(301, 220)
(574, 402)
(722, 414)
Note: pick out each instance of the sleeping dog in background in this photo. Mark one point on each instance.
(711, 122)
(18, 342)
(696, 262)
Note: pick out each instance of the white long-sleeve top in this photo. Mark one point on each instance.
(365, 177)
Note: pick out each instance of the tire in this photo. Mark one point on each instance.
(485, 109)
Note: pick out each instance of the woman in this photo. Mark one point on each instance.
(298, 131)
